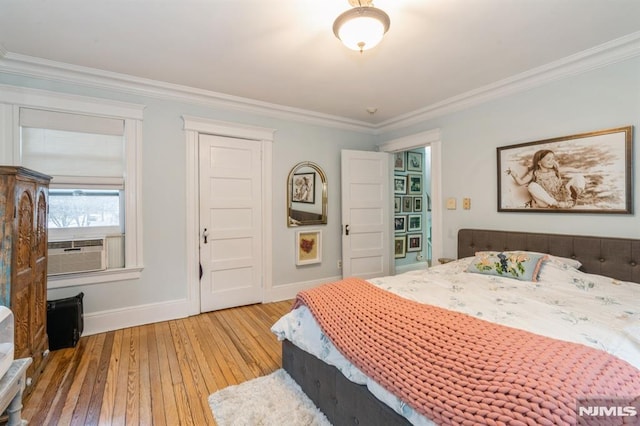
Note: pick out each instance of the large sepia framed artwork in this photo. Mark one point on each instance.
(583, 173)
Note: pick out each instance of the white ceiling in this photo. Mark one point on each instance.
(284, 51)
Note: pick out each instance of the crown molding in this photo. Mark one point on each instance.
(224, 128)
(617, 50)
(26, 96)
(29, 66)
(412, 141)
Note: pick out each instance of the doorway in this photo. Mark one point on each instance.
(230, 211)
(365, 214)
(233, 135)
(419, 141)
(412, 209)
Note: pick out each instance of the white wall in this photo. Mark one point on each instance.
(600, 99)
(161, 291)
(297, 143)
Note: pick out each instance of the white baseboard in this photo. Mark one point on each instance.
(100, 322)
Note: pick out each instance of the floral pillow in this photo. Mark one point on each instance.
(520, 265)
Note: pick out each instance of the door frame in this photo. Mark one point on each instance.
(193, 127)
(432, 139)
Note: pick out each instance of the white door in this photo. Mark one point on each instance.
(366, 220)
(230, 222)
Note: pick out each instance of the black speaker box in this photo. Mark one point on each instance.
(65, 322)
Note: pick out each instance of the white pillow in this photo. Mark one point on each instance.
(573, 263)
(556, 271)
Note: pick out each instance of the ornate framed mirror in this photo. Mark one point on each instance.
(306, 195)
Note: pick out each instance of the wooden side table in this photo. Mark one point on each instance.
(11, 386)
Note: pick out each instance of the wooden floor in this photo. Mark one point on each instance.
(157, 374)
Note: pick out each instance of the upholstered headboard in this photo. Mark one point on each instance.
(618, 258)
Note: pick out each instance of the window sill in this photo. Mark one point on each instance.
(98, 277)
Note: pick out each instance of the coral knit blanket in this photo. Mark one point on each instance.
(457, 369)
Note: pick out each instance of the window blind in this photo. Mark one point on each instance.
(74, 149)
(54, 120)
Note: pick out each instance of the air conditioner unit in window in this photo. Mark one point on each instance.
(73, 256)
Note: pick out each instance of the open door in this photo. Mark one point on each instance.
(366, 219)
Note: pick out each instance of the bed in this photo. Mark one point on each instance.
(347, 396)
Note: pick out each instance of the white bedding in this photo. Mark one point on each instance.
(565, 304)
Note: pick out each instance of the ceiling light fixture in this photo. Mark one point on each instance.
(361, 27)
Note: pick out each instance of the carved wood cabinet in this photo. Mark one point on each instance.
(24, 196)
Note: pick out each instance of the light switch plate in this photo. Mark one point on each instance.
(451, 203)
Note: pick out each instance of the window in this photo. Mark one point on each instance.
(83, 209)
(85, 156)
(91, 148)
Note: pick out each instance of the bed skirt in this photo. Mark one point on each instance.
(342, 401)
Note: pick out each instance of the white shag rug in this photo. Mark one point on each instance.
(275, 399)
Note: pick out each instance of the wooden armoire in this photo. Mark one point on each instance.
(24, 198)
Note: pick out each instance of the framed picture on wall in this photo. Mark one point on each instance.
(414, 242)
(400, 245)
(397, 204)
(400, 184)
(414, 222)
(407, 204)
(583, 173)
(414, 161)
(417, 204)
(400, 224)
(414, 184)
(303, 189)
(308, 247)
(399, 162)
